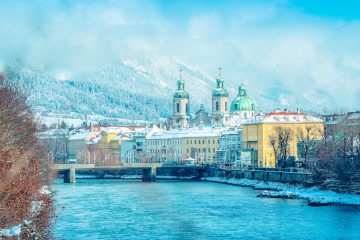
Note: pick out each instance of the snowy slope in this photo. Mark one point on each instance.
(129, 89)
(141, 89)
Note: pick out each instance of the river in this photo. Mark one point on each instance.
(118, 209)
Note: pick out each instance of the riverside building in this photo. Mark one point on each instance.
(180, 145)
(257, 147)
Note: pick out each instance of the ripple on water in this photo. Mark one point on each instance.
(118, 209)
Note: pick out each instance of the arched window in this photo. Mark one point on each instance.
(177, 107)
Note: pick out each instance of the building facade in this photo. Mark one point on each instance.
(229, 152)
(259, 133)
(180, 145)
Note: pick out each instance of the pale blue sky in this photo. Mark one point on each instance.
(313, 43)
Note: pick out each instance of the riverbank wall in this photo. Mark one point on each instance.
(261, 175)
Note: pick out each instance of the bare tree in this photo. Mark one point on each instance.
(308, 140)
(24, 171)
(338, 160)
(280, 141)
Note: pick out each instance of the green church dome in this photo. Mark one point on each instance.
(220, 91)
(181, 92)
(242, 102)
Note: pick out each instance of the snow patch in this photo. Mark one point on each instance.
(314, 195)
(11, 232)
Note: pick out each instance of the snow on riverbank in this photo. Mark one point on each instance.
(314, 195)
(176, 177)
(11, 232)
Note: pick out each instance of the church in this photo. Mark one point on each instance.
(223, 113)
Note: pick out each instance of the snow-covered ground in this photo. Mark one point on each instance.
(11, 232)
(314, 195)
(176, 177)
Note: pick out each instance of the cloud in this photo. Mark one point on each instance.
(256, 42)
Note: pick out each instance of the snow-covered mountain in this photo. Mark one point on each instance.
(134, 89)
(141, 89)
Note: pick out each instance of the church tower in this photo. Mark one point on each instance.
(220, 103)
(180, 105)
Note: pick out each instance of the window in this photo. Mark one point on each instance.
(203, 141)
(225, 106)
(270, 154)
(245, 115)
(195, 141)
(177, 107)
(217, 106)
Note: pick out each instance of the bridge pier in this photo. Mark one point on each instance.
(69, 176)
(149, 174)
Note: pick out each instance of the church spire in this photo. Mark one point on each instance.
(219, 80)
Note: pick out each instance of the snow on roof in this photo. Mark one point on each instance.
(232, 132)
(95, 140)
(81, 136)
(53, 133)
(285, 117)
(116, 129)
(121, 137)
(354, 116)
(188, 133)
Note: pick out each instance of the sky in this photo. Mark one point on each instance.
(299, 44)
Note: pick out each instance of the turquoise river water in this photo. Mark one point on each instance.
(118, 209)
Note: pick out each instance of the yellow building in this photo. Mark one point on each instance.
(257, 135)
(110, 143)
(199, 144)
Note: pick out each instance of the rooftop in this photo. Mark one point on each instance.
(284, 117)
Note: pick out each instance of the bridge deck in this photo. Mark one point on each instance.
(86, 167)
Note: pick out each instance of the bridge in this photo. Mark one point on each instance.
(149, 170)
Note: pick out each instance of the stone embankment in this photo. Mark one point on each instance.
(261, 175)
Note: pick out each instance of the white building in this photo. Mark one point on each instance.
(135, 150)
(229, 152)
